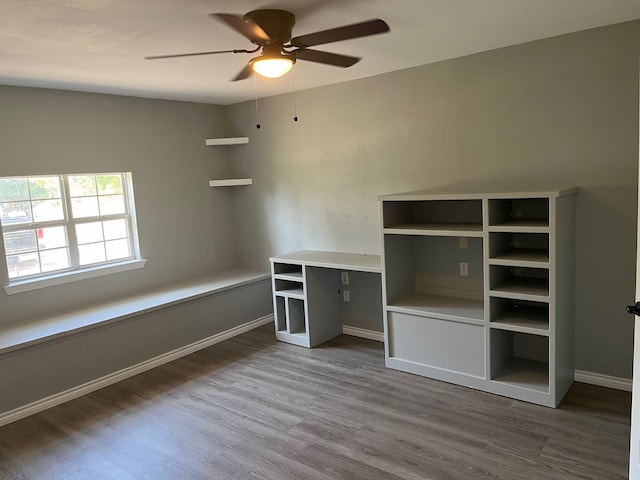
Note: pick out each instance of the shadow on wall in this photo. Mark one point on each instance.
(606, 220)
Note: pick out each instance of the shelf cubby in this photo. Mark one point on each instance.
(288, 288)
(435, 217)
(465, 310)
(519, 282)
(519, 213)
(292, 273)
(519, 249)
(422, 279)
(281, 314)
(520, 360)
(519, 316)
(297, 324)
(287, 269)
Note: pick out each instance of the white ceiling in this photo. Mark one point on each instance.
(99, 45)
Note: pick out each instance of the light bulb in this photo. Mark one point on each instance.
(272, 67)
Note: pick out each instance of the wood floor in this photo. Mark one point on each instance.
(254, 408)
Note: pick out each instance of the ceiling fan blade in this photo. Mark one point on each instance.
(327, 58)
(357, 30)
(157, 57)
(244, 73)
(245, 26)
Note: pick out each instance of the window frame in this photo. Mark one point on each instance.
(76, 271)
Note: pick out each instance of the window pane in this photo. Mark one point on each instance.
(117, 249)
(89, 232)
(36, 212)
(22, 265)
(44, 187)
(82, 185)
(91, 253)
(114, 229)
(57, 259)
(84, 207)
(109, 184)
(48, 211)
(15, 213)
(51, 237)
(112, 205)
(13, 189)
(20, 242)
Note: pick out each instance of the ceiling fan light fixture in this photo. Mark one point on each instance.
(272, 66)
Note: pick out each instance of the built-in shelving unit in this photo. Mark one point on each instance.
(506, 326)
(307, 298)
(229, 182)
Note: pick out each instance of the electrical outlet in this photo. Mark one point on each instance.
(463, 242)
(346, 296)
(344, 276)
(464, 269)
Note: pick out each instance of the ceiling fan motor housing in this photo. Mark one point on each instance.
(278, 24)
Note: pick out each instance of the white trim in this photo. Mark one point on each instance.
(93, 385)
(363, 333)
(73, 276)
(602, 380)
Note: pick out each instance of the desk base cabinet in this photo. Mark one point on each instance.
(307, 293)
(478, 290)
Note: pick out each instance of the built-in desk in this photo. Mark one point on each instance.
(308, 300)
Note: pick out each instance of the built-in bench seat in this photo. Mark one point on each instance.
(27, 334)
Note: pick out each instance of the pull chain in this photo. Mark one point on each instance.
(255, 91)
(295, 107)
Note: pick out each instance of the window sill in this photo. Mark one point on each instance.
(68, 277)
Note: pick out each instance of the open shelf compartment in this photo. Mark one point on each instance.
(466, 310)
(519, 212)
(447, 217)
(509, 248)
(287, 271)
(281, 314)
(289, 288)
(287, 268)
(520, 360)
(296, 319)
(520, 315)
(423, 280)
(519, 282)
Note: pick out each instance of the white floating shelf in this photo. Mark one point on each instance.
(227, 141)
(230, 182)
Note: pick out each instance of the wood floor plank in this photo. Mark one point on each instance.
(252, 408)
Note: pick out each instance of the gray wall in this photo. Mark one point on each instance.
(185, 227)
(31, 374)
(557, 112)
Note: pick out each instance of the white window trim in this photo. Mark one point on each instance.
(73, 276)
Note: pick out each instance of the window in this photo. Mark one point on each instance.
(66, 223)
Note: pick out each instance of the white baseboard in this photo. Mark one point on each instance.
(93, 385)
(603, 380)
(363, 333)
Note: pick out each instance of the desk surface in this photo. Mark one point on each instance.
(343, 261)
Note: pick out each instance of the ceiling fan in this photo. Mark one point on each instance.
(271, 31)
